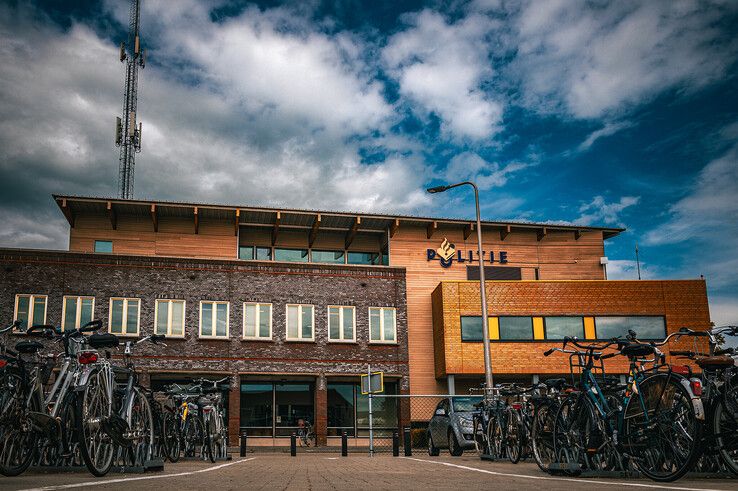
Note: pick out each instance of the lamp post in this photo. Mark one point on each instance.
(485, 323)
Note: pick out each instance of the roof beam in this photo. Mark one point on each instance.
(67, 212)
(504, 232)
(314, 230)
(432, 227)
(197, 222)
(542, 232)
(468, 229)
(352, 232)
(154, 217)
(577, 234)
(394, 227)
(275, 230)
(236, 221)
(112, 215)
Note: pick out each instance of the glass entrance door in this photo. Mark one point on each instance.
(273, 409)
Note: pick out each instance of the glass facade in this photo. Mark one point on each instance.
(646, 327)
(332, 257)
(291, 255)
(348, 410)
(516, 328)
(258, 253)
(367, 258)
(561, 327)
(275, 408)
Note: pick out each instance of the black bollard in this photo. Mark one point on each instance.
(293, 445)
(344, 444)
(408, 443)
(243, 443)
(395, 444)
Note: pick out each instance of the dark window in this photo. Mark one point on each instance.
(368, 258)
(341, 408)
(645, 327)
(471, 328)
(263, 253)
(384, 412)
(246, 252)
(516, 328)
(560, 327)
(494, 273)
(104, 246)
(257, 408)
(333, 257)
(294, 401)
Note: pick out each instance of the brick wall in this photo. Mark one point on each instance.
(682, 303)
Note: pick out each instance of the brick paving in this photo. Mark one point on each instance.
(264, 471)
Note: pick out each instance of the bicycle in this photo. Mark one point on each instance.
(305, 433)
(184, 430)
(213, 415)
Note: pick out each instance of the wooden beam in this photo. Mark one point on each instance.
(275, 230)
(468, 229)
(577, 234)
(154, 217)
(432, 226)
(197, 222)
(505, 231)
(67, 212)
(314, 230)
(394, 227)
(236, 220)
(352, 232)
(541, 233)
(112, 216)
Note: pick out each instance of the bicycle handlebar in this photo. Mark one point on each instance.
(91, 326)
(15, 325)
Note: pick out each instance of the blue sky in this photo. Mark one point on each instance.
(601, 113)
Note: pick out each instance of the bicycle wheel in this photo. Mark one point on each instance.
(480, 437)
(572, 432)
(93, 405)
(208, 438)
(171, 437)
(725, 429)
(19, 439)
(514, 435)
(541, 435)
(661, 431)
(495, 436)
(141, 426)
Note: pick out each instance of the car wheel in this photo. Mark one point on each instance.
(433, 451)
(453, 445)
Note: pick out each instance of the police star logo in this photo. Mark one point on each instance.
(446, 252)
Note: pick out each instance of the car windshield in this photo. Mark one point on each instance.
(465, 403)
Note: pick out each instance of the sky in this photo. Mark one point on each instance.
(611, 113)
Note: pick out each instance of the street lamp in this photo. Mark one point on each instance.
(485, 325)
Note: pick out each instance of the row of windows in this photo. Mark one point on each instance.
(169, 318)
(311, 255)
(523, 328)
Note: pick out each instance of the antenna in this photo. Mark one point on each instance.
(127, 133)
(638, 262)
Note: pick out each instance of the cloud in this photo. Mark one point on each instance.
(624, 269)
(469, 166)
(591, 60)
(608, 130)
(724, 311)
(600, 211)
(441, 66)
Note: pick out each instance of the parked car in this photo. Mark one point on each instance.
(451, 425)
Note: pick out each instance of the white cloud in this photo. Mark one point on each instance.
(724, 311)
(600, 211)
(608, 129)
(486, 175)
(442, 66)
(595, 59)
(625, 269)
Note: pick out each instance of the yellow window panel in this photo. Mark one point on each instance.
(493, 324)
(538, 332)
(589, 328)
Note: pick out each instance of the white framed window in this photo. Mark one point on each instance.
(300, 322)
(382, 325)
(214, 319)
(169, 317)
(341, 323)
(30, 309)
(125, 316)
(77, 311)
(257, 320)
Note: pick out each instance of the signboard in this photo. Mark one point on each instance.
(447, 254)
(373, 384)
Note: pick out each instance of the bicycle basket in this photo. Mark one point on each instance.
(578, 362)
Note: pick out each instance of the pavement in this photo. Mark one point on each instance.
(269, 471)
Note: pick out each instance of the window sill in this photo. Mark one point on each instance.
(259, 340)
(136, 335)
(342, 341)
(385, 343)
(287, 340)
(214, 338)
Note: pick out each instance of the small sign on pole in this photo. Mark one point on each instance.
(372, 383)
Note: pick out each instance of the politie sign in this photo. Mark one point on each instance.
(447, 254)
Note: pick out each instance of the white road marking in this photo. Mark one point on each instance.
(104, 482)
(331, 458)
(551, 478)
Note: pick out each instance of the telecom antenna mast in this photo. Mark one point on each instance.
(127, 132)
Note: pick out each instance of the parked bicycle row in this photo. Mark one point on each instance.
(663, 422)
(95, 412)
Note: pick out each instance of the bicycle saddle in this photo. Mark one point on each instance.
(715, 362)
(105, 340)
(28, 347)
(637, 349)
(555, 383)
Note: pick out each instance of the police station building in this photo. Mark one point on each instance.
(293, 305)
